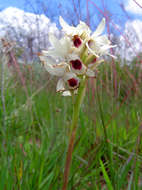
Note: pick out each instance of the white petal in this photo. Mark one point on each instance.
(69, 75)
(66, 93)
(83, 25)
(99, 29)
(104, 49)
(60, 85)
(83, 28)
(44, 52)
(47, 60)
(93, 66)
(66, 28)
(61, 47)
(54, 41)
(90, 73)
(113, 56)
(103, 40)
(75, 91)
(50, 52)
(57, 53)
(57, 70)
(91, 50)
(73, 56)
(65, 45)
(53, 53)
(63, 23)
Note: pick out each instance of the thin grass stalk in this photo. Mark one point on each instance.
(87, 13)
(75, 10)
(102, 117)
(16, 65)
(136, 162)
(2, 91)
(114, 73)
(75, 117)
(134, 82)
(137, 4)
(108, 147)
(3, 54)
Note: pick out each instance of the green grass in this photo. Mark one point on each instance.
(108, 147)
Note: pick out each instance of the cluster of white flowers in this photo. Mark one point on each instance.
(76, 55)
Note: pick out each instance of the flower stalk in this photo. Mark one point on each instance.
(75, 117)
(73, 58)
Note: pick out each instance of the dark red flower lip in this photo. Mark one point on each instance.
(76, 64)
(94, 60)
(77, 41)
(73, 82)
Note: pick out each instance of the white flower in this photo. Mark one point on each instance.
(96, 43)
(79, 34)
(99, 45)
(81, 69)
(67, 58)
(81, 29)
(60, 48)
(76, 55)
(68, 80)
(52, 66)
(62, 58)
(67, 83)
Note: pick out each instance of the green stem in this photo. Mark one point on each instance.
(75, 117)
(77, 104)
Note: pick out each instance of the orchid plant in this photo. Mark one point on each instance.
(74, 58)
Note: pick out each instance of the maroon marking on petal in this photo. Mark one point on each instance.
(77, 41)
(94, 60)
(73, 82)
(90, 43)
(76, 64)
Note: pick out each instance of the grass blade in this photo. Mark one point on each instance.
(107, 180)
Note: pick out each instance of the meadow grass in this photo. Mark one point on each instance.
(34, 140)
